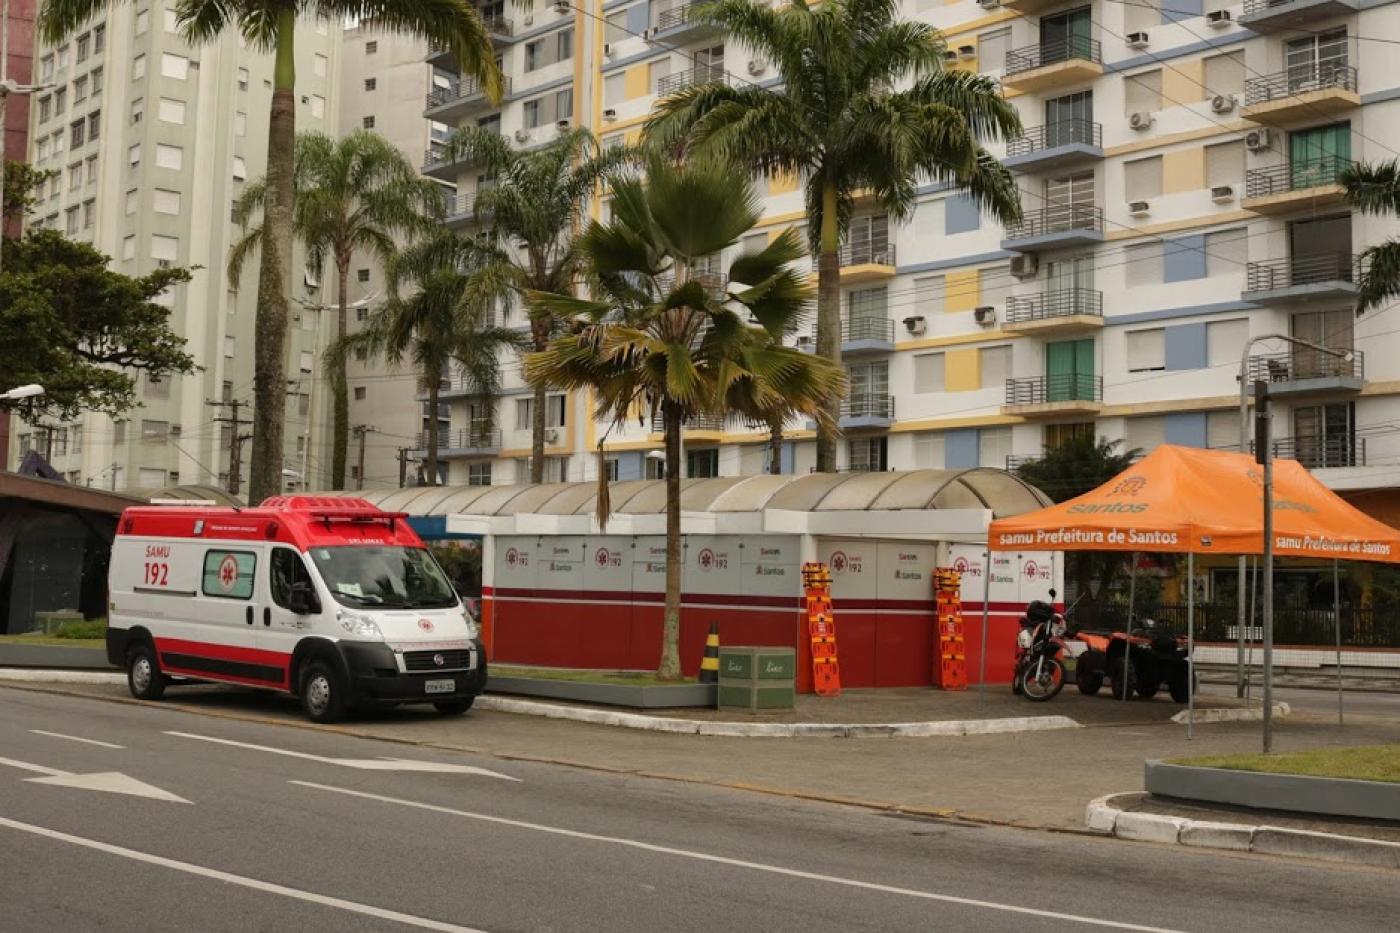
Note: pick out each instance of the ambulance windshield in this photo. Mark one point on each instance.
(391, 577)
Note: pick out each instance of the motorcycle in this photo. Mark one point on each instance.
(1039, 672)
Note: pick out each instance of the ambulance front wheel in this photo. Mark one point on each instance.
(322, 692)
(143, 676)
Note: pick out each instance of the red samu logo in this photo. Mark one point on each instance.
(839, 561)
(1129, 486)
(425, 625)
(961, 565)
(228, 573)
(1031, 570)
(602, 557)
(512, 557)
(706, 559)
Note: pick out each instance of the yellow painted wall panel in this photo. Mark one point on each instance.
(1181, 83)
(962, 289)
(962, 370)
(1184, 170)
(782, 184)
(634, 82)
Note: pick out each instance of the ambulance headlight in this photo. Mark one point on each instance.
(360, 626)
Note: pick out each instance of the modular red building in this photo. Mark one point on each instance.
(558, 591)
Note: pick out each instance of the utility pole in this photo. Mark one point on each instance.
(1264, 454)
(360, 431)
(403, 466)
(235, 453)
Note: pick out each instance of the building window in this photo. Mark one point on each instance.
(306, 360)
(95, 76)
(46, 67)
(171, 157)
(75, 175)
(92, 170)
(157, 387)
(133, 200)
(240, 169)
(359, 393)
(154, 432)
(613, 467)
(89, 213)
(174, 66)
(320, 65)
(165, 249)
(929, 372)
(362, 275)
(1142, 179)
(45, 108)
(77, 132)
(70, 220)
(240, 123)
(371, 84)
(479, 473)
(654, 467)
(171, 110)
(80, 89)
(1147, 350)
(94, 122)
(867, 454)
(371, 47)
(60, 100)
(703, 463)
(549, 50)
(167, 202)
(367, 123)
(242, 79)
(99, 37)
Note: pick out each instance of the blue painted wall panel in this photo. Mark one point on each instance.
(1177, 10)
(629, 465)
(1184, 258)
(960, 215)
(960, 449)
(638, 18)
(788, 458)
(1185, 346)
(1187, 428)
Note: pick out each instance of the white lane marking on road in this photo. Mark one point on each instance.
(360, 764)
(75, 738)
(254, 884)
(111, 782)
(742, 863)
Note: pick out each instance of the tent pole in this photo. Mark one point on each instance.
(1128, 641)
(1190, 644)
(1242, 620)
(1337, 614)
(986, 604)
(1253, 609)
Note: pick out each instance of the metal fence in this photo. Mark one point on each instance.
(1052, 135)
(1052, 53)
(1307, 627)
(1062, 302)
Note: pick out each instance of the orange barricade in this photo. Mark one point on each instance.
(821, 628)
(950, 671)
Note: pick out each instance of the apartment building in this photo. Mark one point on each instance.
(16, 64)
(1178, 173)
(153, 140)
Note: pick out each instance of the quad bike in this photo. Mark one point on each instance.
(1154, 658)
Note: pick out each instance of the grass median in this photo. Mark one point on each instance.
(1359, 763)
(73, 635)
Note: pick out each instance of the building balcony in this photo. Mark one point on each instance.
(867, 261)
(465, 442)
(1310, 184)
(459, 99)
(679, 25)
(866, 410)
(1276, 15)
(1053, 64)
(680, 80)
(1060, 312)
(866, 335)
(1303, 372)
(1302, 93)
(1014, 462)
(502, 32)
(1055, 227)
(461, 211)
(1320, 453)
(1277, 281)
(1055, 145)
(1031, 6)
(696, 427)
(1066, 394)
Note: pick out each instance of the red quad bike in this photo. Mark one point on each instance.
(1156, 658)
(1039, 673)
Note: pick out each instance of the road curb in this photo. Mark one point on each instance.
(1106, 817)
(1218, 714)
(43, 676)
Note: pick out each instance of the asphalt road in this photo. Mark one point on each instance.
(274, 830)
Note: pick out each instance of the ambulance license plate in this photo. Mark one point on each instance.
(439, 686)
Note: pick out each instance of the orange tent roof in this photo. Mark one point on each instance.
(1181, 499)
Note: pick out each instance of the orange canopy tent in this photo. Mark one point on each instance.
(1189, 500)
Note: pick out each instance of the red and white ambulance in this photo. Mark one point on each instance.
(331, 600)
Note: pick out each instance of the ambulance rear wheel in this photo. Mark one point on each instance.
(322, 693)
(143, 676)
(454, 707)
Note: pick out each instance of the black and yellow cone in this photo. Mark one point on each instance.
(709, 665)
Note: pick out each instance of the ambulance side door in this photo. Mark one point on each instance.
(290, 606)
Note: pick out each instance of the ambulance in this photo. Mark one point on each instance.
(331, 600)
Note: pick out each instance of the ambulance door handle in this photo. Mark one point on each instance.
(267, 615)
(249, 615)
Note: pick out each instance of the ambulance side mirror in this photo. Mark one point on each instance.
(302, 600)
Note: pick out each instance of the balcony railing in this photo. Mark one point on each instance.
(693, 423)
(867, 328)
(1052, 135)
(463, 439)
(700, 74)
(1293, 176)
(1300, 79)
(867, 405)
(1321, 452)
(1063, 302)
(1052, 53)
(498, 26)
(1305, 363)
(1014, 462)
(1066, 387)
(676, 16)
(1060, 219)
(1306, 270)
(868, 252)
(465, 89)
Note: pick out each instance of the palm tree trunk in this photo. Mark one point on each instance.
(434, 387)
(270, 327)
(775, 446)
(539, 330)
(829, 318)
(340, 446)
(670, 667)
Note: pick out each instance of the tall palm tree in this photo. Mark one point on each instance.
(438, 313)
(354, 195)
(270, 26)
(835, 122)
(660, 339)
(531, 210)
(1375, 189)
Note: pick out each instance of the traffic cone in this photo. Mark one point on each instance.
(709, 664)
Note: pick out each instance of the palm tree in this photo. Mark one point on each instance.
(270, 26)
(532, 208)
(835, 122)
(353, 195)
(446, 316)
(676, 345)
(1375, 189)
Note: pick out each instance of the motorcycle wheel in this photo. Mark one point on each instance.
(1123, 682)
(1050, 682)
(1088, 681)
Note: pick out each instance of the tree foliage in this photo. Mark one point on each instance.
(1375, 189)
(23, 182)
(84, 332)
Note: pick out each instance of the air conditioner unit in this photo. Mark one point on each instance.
(522, 135)
(986, 315)
(1219, 18)
(804, 341)
(916, 324)
(610, 114)
(967, 51)
(1025, 265)
(757, 66)
(950, 56)
(551, 435)
(1140, 120)
(1138, 208)
(562, 124)
(1258, 140)
(1222, 103)
(562, 6)
(608, 49)
(989, 4)
(1221, 194)
(162, 263)
(1137, 40)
